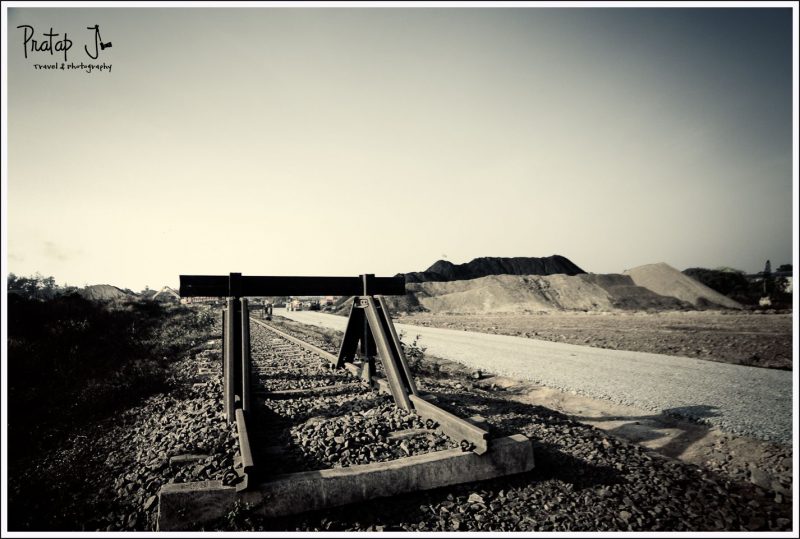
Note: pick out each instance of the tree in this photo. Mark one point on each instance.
(35, 287)
(27, 286)
(48, 287)
(725, 282)
(783, 282)
(769, 280)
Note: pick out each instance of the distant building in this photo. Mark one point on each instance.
(167, 295)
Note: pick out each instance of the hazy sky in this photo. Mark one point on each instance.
(348, 141)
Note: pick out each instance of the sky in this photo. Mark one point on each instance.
(365, 140)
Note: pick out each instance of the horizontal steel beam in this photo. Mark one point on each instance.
(219, 286)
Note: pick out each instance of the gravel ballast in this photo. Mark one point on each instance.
(108, 477)
(584, 480)
(346, 424)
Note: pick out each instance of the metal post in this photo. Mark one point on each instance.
(367, 342)
(390, 367)
(245, 356)
(230, 354)
(224, 354)
(397, 346)
(236, 330)
(244, 442)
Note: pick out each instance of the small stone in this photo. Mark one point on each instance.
(149, 503)
(757, 522)
(760, 478)
(475, 498)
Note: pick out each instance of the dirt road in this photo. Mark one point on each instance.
(742, 400)
(756, 339)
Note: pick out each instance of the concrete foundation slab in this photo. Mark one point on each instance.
(183, 507)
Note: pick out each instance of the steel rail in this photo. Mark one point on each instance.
(244, 442)
(310, 347)
(453, 426)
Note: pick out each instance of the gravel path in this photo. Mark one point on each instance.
(742, 400)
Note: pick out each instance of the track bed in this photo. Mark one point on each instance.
(308, 416)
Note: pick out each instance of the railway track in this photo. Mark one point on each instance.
(316, 429)
(584, 480)
(310, 416)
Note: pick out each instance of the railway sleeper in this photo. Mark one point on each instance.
(186, 506)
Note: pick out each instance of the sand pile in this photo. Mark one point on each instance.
(627, 295)
(102, 292)
(443, 270)
(666, 280)
(533, 293)
(447, 288)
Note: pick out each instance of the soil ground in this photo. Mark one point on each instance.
(759, 339)
(765, 464)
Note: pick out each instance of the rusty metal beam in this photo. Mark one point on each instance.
(246, 389)
(230, 355)
(352, 333)
(390, 367)
(244, 442)
(452, 425)
(401, 357)
(220, 285)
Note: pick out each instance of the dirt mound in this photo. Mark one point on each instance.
(625, 294)
(102, 292)
(663, 279)
(532, 293)
(443, 271)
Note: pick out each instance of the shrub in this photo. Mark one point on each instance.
(71, 360)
